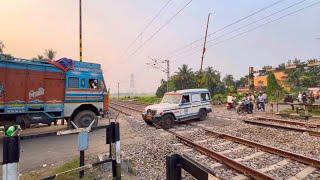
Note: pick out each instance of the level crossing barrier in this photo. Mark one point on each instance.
(175, 163)
(11, 151)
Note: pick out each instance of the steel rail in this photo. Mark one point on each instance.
(120, 111)
(287, 122)
(311, 132)
(127, 107)
(223, 159)
(283, 153)
(132, 102)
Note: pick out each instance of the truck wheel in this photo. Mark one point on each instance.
(202, 115)
(84, 119)
(23, 121)
(167, 121)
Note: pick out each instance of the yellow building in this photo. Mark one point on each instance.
(262, 82)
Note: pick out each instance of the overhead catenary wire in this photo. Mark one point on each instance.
(246, 25)
(160, 28)
(252, 29)
(149, 24)
(227, 26)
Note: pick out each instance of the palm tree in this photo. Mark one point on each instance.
(186, 77)
(2, 46)
(211, 80)
(50, 54)
(38, 58)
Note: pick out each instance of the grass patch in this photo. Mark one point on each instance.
(65, 167)
(312, 112)
(143, 99)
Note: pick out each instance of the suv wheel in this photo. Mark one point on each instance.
(148, 123)
(167, 121)
(84, 119)
(202, 115)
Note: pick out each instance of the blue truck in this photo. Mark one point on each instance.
(46, 91)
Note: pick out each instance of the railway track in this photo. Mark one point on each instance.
(247, 158)
(311, 129)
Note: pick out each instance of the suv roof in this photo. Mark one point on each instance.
(184, 91)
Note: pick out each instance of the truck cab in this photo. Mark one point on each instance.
(179, 106)
(85, 94)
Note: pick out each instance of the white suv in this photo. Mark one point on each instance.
(179, 106)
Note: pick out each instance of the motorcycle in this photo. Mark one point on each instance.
(230, 106)
(244, 107)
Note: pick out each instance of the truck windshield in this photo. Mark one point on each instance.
(171, 98)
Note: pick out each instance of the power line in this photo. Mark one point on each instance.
(149, 24)
(225, 27)
(161, 27)
(271, 21)
(247, 25)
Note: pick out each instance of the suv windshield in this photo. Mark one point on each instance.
(171, 98)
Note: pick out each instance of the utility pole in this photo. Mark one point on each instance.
(80, 29)
(158, 64)
(205, 42)
(118, 91)
(251, 79)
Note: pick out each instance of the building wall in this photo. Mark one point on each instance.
(261, 81)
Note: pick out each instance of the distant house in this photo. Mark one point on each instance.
(314, 90)
(261, 82)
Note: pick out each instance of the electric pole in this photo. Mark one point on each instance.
(80, 29)
(118, 91)
(205, 42)
(159, 64)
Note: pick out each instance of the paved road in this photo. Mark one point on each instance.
(55, 149)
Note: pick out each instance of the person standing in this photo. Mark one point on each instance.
(261, 102)
(300, 97)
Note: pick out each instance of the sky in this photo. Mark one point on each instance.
(28, 27)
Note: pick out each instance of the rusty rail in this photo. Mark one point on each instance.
(311, 132)
(287, 122)
(127, 107)
(223, 159)
(302, 159)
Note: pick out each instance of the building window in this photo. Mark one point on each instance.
(73, 82)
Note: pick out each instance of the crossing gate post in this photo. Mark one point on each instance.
(173, 167)
(113, 138)
(11, 153)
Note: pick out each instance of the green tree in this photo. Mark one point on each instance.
(211, 79)
(185, 78)
(38, 58)
(282, 66)
(242, 82)
(228, 80)
(162, 88)
(50, 54)
(273, 86)
(2, 47)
